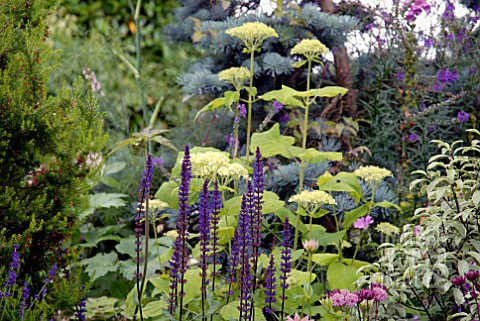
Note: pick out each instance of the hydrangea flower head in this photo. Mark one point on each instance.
(372, 173)
(387, 228)
(310, 48)
(157, 204)
(297, 318)
(236, 76)
(316, 197)
(363, 222)
(252, 34)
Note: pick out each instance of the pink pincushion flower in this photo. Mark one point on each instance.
(379, 294)
(297, 318)
(338, 300)
(363, 222)
(351, 299)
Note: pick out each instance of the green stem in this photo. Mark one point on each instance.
(357, 247)
(309, 269)
(156, 243)
(304, 149)
(340, 254)
(250, 99)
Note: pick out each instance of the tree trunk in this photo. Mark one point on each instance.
(344, 74)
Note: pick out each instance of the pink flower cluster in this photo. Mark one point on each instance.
(376, 292)
(416, 9)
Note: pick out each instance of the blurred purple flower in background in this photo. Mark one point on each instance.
(277, 106)
(411, 138)
(462, 116)
(242, 110)
(369, 26)
(449, 13)
(157, 161)
(446, 76)
(400, 75)
(428, 42)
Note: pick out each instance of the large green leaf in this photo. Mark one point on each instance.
(153, 309)
(352, 216)
(325, 238)
(271, 143)
(324, 259)
(341, 276)
(231, 312)
(342, 182)
(329, 91)
(168, 193)
(271, 203)
(313, 156)
(285, 96)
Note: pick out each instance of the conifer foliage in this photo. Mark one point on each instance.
(49, 143)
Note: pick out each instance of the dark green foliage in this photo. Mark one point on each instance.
(49, 143)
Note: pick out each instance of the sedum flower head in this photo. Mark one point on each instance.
(310, 48)
(253, 34)
(387, 228)
(307, 198)
(233, 170)
(372, 173)
(236, 76)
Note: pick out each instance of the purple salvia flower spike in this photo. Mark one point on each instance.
(270, 288)
(80, 310)
(286, 261)
(215, 219)
(204, 227)
(24, 304)
(245, 248)
(181, 253)
(144, 191)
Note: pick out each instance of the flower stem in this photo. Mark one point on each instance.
(304, 149)
(250, 100)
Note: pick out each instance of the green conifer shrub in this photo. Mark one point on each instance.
(49, 144)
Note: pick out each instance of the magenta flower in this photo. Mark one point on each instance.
(363, 222)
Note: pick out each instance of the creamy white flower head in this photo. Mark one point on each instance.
(157, 204)
(233, 170)
(253, 34)
(310, 48)
(387, 228)
(307, 198)
(207, 164)
(372, 173)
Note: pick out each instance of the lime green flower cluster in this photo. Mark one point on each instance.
(216, 165)
(372, 174)
(236, 76)
(252, 34)
(310, 48)
(387, 228)
(308, 198)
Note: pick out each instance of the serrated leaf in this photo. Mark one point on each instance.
(100, 265)
(271, 143)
